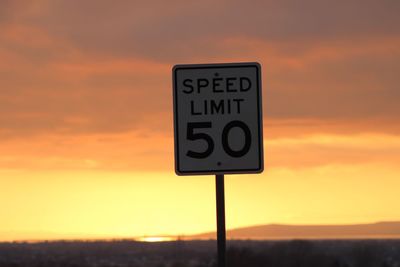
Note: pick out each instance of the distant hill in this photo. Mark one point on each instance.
(281, 231)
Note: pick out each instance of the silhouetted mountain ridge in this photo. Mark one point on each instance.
(283, 231)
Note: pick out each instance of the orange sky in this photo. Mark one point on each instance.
(86, 139)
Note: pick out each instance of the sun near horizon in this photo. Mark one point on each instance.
(86, 133)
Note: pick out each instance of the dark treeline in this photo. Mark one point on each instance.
(297, 253)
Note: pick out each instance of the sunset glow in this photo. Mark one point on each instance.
(86, 124)
(152, 239)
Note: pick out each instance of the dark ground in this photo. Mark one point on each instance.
(297, 253)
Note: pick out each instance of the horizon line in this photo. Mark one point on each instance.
(196, 236)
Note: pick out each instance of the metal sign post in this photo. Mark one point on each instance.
(221, 233)
(218, 126)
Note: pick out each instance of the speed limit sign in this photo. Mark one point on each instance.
(218, 118)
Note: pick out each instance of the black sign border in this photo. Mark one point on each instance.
(255, 65)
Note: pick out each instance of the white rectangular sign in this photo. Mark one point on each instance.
(218, 118)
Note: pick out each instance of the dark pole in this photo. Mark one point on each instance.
(221, 236)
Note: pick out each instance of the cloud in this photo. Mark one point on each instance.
(97, 67)
(176, 30)
(143, 151)
(129, 151)
(332, 150)
(190, 30)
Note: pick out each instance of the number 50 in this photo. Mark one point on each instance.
(192, 136)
